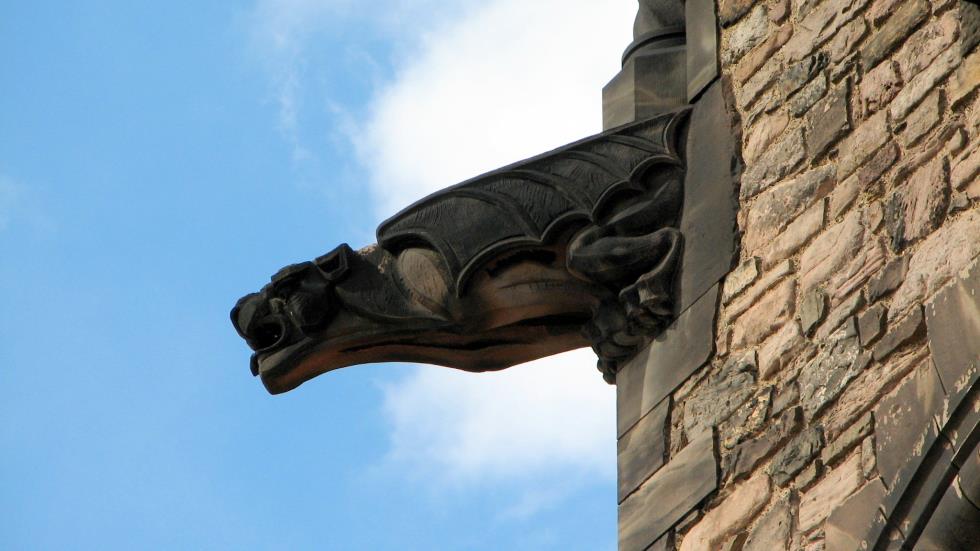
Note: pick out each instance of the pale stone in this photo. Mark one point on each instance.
(868, 261)
(820, 24)
(818, 502)
(731, 516)
(797, 234)
(765, 317)
(754, 60)
(882, 9)
(924, 118)
(896, 28)
(803, 100)
(840, 314)
(843, 43)
(730, 11)
(778, 10)
(775, 163)
(763, 133)
(746, 34)
(776, 207)
(773, 530)
(862, 143)
(752, 295)
(922, 84)
(926, 200)
(758, 83)
(740, 278)
(844, 196)
(966, 170)
(967, 79)
(836, 246)
(922, 47)
(879, 86)
(937, 259)
(780, 349)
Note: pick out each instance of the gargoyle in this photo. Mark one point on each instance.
(573, 248)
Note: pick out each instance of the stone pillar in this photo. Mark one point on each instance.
(654, 75)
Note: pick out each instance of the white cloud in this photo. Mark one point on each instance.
(507, 80)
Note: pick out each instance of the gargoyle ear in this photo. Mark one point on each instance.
(336, 263)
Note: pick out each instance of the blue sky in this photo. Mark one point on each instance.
(159, 161)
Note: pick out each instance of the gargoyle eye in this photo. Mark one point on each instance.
(336, 263)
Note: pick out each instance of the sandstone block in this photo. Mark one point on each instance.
(839, 314)
(796, 455)
(740, 278)
(867, 138)
(763, 133)
(826, 376)
(828, 121)
(817, 503)
(799, 73)
(879, 86)
(848, 524)
(808, 96)
(899, 25)
(967, 79)
(871, 324)
(746, 34)
(758, 83)
(773, 530)
(748, 455)
(752, 295)
(730, 11)
(923, 83)
(775, 163)
(721, 394)
(640, 452)
(778, 11)
(776, 207)
(966, 170)
(848, 440)
(754, 60)
(780, 349)
(923, 118)
(813, 310)
(900, 333)
(923, 46)
(820, 24)
(881, 9)
(888, 279)
(829, 253)
(733, 515)
(797, 234)
(920, 207)
(764, 318)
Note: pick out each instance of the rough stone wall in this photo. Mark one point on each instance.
(832, 381)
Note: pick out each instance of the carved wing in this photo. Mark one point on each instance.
(528, 204)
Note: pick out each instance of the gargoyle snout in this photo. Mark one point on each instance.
(256, 320)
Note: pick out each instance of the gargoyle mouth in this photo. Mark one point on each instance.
(283, 369)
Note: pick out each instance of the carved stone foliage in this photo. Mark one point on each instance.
(575, 247)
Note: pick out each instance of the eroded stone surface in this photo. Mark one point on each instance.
(835, 487)
(721, 394)
(796, 455)
(773, 530)
(825, 377)
(732, 515)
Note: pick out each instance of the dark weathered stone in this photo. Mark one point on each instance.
(953, 319)
(710, 201)
(577, 246)
(871, 324)
(847, 526)
(702, 45)
(775, 163)
(665, 543)
(813, 310)
(641, 451)
(871, 172)
(889, 279)
(955, 524)
(828, 121)
(772, 531)
(666, 362)
(785, 398)
(969, 477)
(668, 495)
(721, 394)
(796, 455)
(900, 333)
(897, 27)
(653, 80)
(746, 420)
(748, 455)
(809, 95)
(824, 378)
(904, 422)
(798, 74)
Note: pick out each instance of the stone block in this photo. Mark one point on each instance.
(826, 376)
(666, 362)
(900, 333)
(846, 39)
(818, 502)
(730, 11)
(922, 83)
(801, 72)
(826, 256)
(721, 394)
(924, 46)
(866, 139)
(840, 314)
(751, 296)
(776, 163)
(763, 319)
(953, 320)
(897, 27)
(808, 96)
(847, 526)
(796, 455)
(778, 11)
(880, 9)
(773, 530)
(776, 207)
(905, 423)
(889, 279)
(759, 82)
(749, 454)
(923, 118)
(967, 79)
(763, 133)
(754, 60)
(779, 350)
(847, 440)
(797, 234)
(828, 121)
(966, 170)
(872, 172)
(813, 310)
(919, 208)
(879, 86)
(740, 278)
(642, 449)
(871, 324)
(731, 516)
(819, 25)
(746, 34)
(669, 495)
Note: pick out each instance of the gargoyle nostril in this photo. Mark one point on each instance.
(266, 334)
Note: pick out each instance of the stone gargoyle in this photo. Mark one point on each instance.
(577, 247)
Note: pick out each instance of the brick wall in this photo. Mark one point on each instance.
(830, 385)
